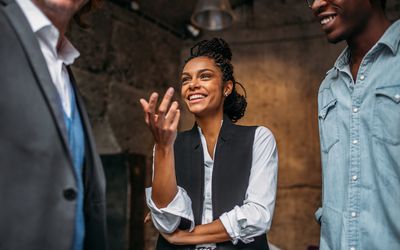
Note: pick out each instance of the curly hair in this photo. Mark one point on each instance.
(217, 49)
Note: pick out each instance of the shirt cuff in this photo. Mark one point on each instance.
(167, 219)
(235, 224)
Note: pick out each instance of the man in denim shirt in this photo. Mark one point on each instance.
(359, 121)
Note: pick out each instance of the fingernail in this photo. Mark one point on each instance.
(170, 91)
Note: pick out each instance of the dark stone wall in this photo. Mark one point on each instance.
(123, 58)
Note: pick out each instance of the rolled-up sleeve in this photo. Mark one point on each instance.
(254, 217)
(167, 219)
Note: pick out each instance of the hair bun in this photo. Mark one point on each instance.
(215, 45)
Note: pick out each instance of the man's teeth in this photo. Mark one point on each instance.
(195, 97)
(327, 20)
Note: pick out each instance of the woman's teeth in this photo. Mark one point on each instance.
(195, 97)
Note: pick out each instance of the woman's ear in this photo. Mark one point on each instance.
(228, 88)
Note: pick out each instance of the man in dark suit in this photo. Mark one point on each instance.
(52, 186)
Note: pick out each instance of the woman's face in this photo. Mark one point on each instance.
(202, 87)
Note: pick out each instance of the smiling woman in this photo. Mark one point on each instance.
(214, 186)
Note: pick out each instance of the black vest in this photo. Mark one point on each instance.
(231, 172)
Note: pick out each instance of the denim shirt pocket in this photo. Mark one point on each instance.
(386, 125)
(328, 124)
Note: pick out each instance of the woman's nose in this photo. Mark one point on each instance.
(193, 84)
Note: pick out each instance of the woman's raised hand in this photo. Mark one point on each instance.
(163, 123)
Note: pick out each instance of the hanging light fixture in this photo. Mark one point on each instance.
(212, 14)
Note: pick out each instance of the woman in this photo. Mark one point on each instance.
(213, 186)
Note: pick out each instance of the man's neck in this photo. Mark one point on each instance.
(363, 41)
(60, 19)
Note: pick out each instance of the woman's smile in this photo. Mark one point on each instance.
(196, 97)
(202, 86)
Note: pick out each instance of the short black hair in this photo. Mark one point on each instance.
(383, 4)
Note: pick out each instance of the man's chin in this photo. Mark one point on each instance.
(334, 39)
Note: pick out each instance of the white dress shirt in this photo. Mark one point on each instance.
(244, 222)
(47, 35)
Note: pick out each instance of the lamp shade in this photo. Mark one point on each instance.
(212, 14)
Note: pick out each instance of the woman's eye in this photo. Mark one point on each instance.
(185, 80)
(205, 76)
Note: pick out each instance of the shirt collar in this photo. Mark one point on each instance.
(391, 38)
(67, 52)
(41, 24)
(35, 16)
(343, 59)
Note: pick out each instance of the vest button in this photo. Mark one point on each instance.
(70, 194)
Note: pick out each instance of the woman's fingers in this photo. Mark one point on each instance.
(171, 114)
(145, 106)
(162, 109)
(163, 122)
(147, 218)
(151, 111)
(175, 121)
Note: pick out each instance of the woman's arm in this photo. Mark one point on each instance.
(167, 219)
(168, 203)
(163, 124)
(213, 232)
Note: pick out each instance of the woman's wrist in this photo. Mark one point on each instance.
(164, 149)
(201, 234)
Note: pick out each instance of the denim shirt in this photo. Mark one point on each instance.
(359, 122)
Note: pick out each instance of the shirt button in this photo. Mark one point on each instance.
(70, 194)
(354, 178)
(362, 77)
(352, 248)
(397, 96)
(355, 110)
(353, 214)
(355, 141)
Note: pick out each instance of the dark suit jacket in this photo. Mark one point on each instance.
(37, 179)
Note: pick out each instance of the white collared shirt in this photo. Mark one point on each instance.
(47, 35)
(244, 222)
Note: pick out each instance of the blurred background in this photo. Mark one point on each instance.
(280, 55)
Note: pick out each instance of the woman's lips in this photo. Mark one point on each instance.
(195, 98)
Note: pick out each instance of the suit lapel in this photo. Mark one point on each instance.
(196, 171)
(222, 150)
(38, 64)
(222, 156)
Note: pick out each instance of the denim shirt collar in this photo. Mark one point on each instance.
(390, 39)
